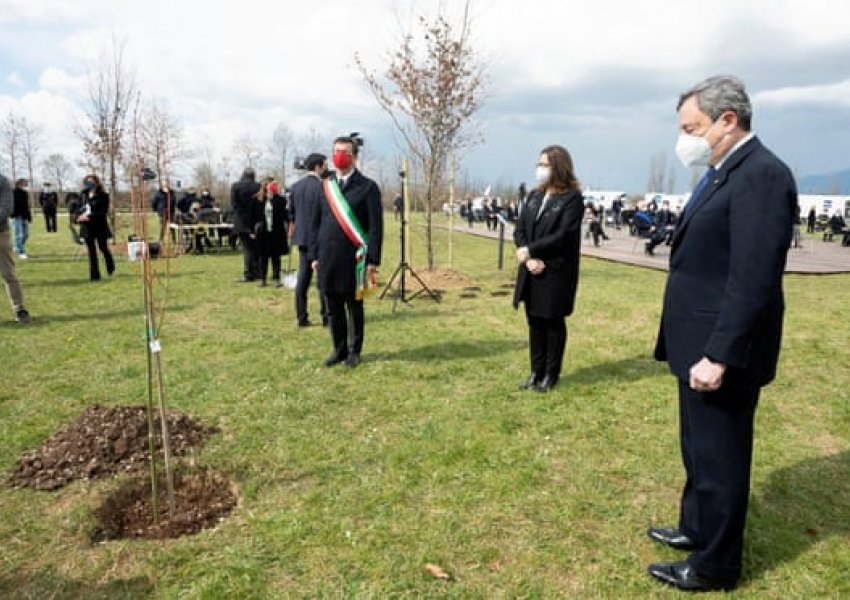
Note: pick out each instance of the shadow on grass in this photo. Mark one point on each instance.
(450, 351)
(48, 584)
(402, 313)
(45, 320)
(633, 368)
(798, 507)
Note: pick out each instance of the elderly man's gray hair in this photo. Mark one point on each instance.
(721, 93)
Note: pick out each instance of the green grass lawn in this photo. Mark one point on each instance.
(350, 481)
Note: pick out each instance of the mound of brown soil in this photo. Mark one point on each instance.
(201, 500)
(102, 442)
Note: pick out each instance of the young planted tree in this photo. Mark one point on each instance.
(431, 89)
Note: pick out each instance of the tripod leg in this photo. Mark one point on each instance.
(390, 282)
(425, 288)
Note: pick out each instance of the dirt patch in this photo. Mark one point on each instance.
(102, 442)
(201, 500)
(443, 278)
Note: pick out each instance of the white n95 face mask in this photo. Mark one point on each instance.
(693, 150)
(542, 175)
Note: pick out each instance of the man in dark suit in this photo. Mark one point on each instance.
(721, 324)
(307, 197)
(243, 195)
(335, 253)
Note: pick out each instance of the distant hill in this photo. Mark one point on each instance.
(829, 183)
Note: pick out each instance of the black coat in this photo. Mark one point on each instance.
(22, 205)
(164, 203)
(96, 227)
(242, 198)
(274, 242)
(49, 201)
(554, 238)
(724, 297)
(334, 250)
(307, 197)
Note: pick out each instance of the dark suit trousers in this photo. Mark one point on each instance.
(341, 307)
(547, 340)
(94, 267)
(305, 276)
(716, 434)
(250, 258)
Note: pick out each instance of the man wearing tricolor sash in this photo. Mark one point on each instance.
(347, 250)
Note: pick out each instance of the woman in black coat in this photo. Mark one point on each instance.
(91, 217)
(270, 221)
(548, 239)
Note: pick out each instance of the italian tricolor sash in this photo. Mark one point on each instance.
(354, 232)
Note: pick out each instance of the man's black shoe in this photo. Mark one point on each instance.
(334, 359)
(530, 382)
(353, 360)
(547, 383)
(683, 576)
(671, 537)
(304, 323)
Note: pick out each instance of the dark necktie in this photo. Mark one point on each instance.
(699, 188)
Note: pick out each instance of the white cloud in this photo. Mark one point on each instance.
(14, 78)
(834, 94)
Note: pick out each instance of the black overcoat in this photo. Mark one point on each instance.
(274, 242)
(96, 227)
(243, 195)
(333, 249)
(554, 238)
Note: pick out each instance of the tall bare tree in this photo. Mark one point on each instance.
(31, 138)
(10, 129)
(203, 171)
(281, 150)
(59, 169)
(657, 172)
(111, 93)
(247, 148)
(431, 89)
(162, 142)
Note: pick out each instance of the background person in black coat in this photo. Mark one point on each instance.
(21, 217)
(334, 253)
(307, 197)
(270, 229)
(548, 240)
(242, 198)
(93, 226)
(721, 324)
(165, 204)
(49, 201)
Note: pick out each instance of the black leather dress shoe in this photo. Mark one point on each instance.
(683, 576)
(334, 359)
(547, 383)
(352, 360)
(530, 382)
(672, 537)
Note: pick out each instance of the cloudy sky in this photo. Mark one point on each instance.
(600, 77)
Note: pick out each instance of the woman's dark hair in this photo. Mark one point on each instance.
(98, 186)
(563, 176)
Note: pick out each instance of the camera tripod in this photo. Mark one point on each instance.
(403, 267)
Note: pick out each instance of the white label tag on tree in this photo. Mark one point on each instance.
(155, 346)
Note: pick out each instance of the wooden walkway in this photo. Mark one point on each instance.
(815, 257)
